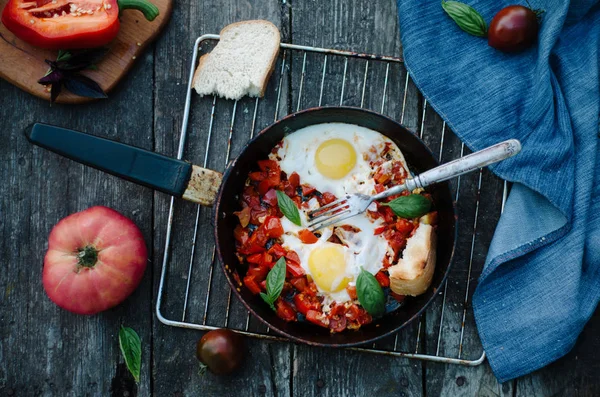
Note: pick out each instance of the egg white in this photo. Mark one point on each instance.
(297, 154)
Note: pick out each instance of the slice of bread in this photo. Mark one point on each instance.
(413, 273)
(242, 61)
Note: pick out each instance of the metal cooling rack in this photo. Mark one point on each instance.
(168, 277)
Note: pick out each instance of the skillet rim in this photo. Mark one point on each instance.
(229, 169)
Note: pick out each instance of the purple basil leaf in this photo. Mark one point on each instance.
(83, 86)
(54, 77)
(82, 59)
(55, 91)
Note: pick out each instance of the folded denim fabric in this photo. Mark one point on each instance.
(541, 279)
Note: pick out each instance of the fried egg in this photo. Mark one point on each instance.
(336, 158)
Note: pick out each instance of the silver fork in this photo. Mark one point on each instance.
(354, 204)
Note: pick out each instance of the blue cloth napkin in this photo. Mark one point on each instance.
(541, 280)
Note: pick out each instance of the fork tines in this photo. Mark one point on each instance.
(329, 214)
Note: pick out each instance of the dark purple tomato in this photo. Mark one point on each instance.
(221, 351)
(514, 28)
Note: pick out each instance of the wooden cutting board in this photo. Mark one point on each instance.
(23, 65)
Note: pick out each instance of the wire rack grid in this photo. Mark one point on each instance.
(220, 316)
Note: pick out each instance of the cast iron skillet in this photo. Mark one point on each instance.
(172, 176)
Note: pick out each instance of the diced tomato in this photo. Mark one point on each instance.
(327, 198)
(255, 258)
(285, 310)
(379, 230)
(383, 279)
(270, 197)
(241, 234)
(287, 188)
(307, 237)
(244, 216)
(398, 297)
(379, 188)
(277, 250)
(364, 318)
(386, 262)
(404, 226)
(397, 242)
(294, 180)
(258, 214)
(250, 197)
(252, 285)
(386, 212)
(307, 189)
(299, 283)
(292, 256)
(259, 237)
(304, 303)
(248, 249)
(338, 310)
(264, 186)
(258, 272)
(297, 200)
(268, 165)
(294, 269)
(354, 312)
(381, 177)
(273, 227)
(318, 318)
(337, 323)
(311, 289)
(351, 289)
(257, 176)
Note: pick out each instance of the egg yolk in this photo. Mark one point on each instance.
(335, 158)
(328, 267)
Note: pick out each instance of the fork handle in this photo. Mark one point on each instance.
(463, 165)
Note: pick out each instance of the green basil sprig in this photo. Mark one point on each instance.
(131, 347)
(411, 206)
(275, 281)
(370, 294)
(466, 17)
(288, 207)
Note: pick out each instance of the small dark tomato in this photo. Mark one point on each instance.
(221, 351)
(514, 28)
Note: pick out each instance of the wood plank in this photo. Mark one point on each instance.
(575, 375)
(23, 64)
(45, 350)
(351, 25)
(474, 237)
(267, 368)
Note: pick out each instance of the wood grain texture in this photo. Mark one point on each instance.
(267, 369)
(23, 64)
(47, 351)
(342, 25)
(44, 350)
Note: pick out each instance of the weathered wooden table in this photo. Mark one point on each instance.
(48, 351)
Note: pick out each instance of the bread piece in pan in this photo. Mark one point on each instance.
(413, 273)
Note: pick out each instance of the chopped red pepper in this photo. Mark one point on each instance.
(294, 269)
(252, 285)
(285, 310)
(383, 279)
(273, 227)
(72, 24)
(294, 180)
(318, 318)
(306, 190)
(307, 237)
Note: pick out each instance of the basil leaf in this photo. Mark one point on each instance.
(276, 279)
(267, 299)
(411, 206)
(131, 347)
(466, 17)
(288, 207)
(370, 294)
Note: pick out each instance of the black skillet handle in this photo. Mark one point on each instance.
(137, 165)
